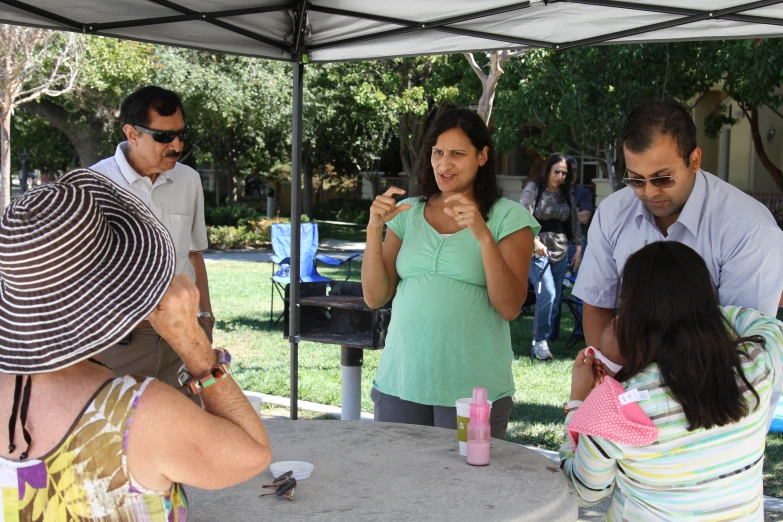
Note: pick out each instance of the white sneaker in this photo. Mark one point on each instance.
(541, 351)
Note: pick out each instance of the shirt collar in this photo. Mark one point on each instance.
(690, 215)
(128, 172)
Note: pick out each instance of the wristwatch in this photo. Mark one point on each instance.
(208, 315)
(196, 384)
(570, 406)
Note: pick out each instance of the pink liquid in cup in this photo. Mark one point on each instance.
(478, 429)
(478, 453)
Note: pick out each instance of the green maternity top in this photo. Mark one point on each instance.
(445, 337)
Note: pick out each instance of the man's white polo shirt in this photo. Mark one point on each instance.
(735, 235)
(176, 199)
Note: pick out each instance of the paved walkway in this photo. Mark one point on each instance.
(337, 248)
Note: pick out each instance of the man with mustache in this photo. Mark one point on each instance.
(153, 121)
(669, 198)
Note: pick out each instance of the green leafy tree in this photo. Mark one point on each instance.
(495, 61)
(239, 109)
(752, 74)
(419, 89)
(348, 123)
(88, 115)
(35, 63)
(39, 146)
(579, 99)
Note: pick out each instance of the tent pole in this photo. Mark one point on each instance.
(296, 165)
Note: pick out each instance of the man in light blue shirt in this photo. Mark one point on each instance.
(669, 198)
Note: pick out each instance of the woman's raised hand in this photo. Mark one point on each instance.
(467, 215)
(384, 208)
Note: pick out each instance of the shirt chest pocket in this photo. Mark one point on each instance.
(180, 226)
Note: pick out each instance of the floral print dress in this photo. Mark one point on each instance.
(86, 476)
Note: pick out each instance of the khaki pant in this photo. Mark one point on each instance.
(148, 354)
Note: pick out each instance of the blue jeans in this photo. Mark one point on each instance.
(551, 289)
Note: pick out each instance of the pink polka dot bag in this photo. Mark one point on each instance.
(604, 415)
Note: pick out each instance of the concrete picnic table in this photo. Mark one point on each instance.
(395, 472)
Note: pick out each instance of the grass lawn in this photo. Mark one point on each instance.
(240, 298)
(346, 232)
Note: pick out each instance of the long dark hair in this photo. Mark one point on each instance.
(669, 315)
(542, 178)
(485, 187)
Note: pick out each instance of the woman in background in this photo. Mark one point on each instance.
(548, 197)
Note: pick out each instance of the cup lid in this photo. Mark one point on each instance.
(302, 470)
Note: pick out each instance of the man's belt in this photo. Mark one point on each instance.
(143, 324)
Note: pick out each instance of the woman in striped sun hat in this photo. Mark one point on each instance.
(81, 263)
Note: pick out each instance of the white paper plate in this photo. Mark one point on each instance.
(302, 470)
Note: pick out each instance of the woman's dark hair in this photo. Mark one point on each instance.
(655, 118)
(485, 187)
(135, 109)
(669, 315)
(542, 178)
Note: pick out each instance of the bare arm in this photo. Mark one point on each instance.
(202, 283)
(379, 271)
(506, 266)
(584, 216)
(594, 320)
(171, 439)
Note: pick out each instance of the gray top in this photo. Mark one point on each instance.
(383, 471)
(553, 205)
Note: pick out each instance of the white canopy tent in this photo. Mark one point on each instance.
(302, 31)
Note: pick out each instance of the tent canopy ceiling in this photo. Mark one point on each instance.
(336, 30)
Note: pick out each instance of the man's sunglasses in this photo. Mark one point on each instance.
(164, 136)
(661, 182)
(284, 486)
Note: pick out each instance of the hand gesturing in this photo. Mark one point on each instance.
(384, 208)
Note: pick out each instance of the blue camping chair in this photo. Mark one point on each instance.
(308, 258)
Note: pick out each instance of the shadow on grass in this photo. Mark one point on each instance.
(254, 323)
(535, 413)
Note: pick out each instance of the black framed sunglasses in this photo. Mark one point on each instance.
(284, 486)
(661, 182)
(165, 136)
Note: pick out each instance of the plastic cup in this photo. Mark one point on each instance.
(463, 419)
(255, 402)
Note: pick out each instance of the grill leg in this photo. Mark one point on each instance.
(351, 360)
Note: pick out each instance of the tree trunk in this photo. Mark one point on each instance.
(5, 159)
(758, 144)
(217, 170)
(81, 137)
(23, 172)
(610, 170)
(488, 98)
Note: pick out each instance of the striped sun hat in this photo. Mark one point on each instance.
(82, 262)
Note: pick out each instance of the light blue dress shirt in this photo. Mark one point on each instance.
(735, 234)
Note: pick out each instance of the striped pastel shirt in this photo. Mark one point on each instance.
(701, 475)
